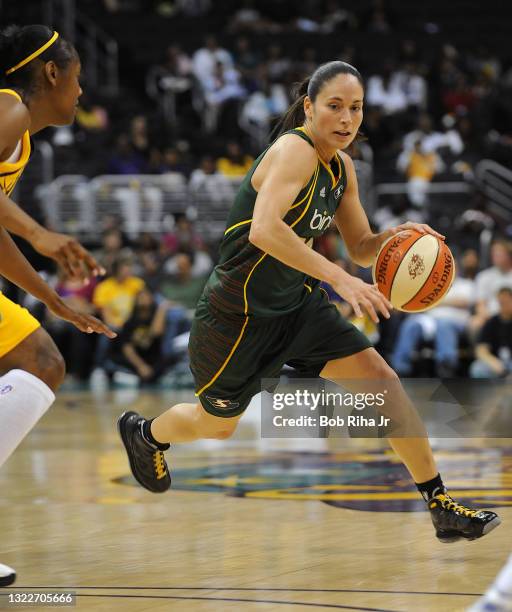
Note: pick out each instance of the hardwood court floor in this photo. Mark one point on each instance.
(251, 525)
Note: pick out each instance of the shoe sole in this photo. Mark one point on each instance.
(446, 538)
(124, 417)
(6, 581)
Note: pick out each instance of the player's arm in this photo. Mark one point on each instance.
(352, 223)
(279, 188)
(17, 269)
(78, 263)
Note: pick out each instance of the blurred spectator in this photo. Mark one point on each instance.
(207, 58)
(151, 271)
(173, 162)
(221, 88)
(444, 324)
(125, 160)
(336, 18)
(76, 347)
(247, 18)
(183, 237)
(491, 280)
(207, 182)
(385, 91)
(114, 298)
(112, 249)
(139, 137)
(494, 344)
(420, 167)
(139, 347)
(115, 295)
(277, 64)
(236, 162)
(90, 116)
(201, 263)
(183, 288)
(262, 107)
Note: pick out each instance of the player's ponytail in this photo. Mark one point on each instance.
(22, 51)
(294, 116)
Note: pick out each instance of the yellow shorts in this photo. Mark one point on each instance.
(16, 323)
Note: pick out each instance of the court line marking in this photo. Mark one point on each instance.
(277, 589)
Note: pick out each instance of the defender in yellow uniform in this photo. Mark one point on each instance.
(40, 87)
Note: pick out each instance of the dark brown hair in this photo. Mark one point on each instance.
(311, 86)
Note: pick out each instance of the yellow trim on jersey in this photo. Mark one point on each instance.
(291, 207)
(326, 166)
(36, 53)
(246, 304)
(237, 225)
(308, 287)
(322, 289)
(12, 167)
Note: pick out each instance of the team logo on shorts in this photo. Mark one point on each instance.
(6, 389)
(223, 404)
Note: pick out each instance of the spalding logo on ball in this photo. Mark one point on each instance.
(414, 271)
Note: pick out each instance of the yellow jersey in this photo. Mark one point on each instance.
(10, 172)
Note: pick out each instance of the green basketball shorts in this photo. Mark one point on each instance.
(230, 354)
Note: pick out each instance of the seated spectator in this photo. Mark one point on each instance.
(76, 347)
(235, 163)
(489, 281)
(206, 181)
(385, 91)
(173, 162)
(207, 58)
(444, 324)
(182, 237)
(125, 160)
(183, 288)
(201, 262)
(494, 344)
(112, 249)
(139, 347)
(151, 271)
(420, 167)
(222, 90)
(114, 298)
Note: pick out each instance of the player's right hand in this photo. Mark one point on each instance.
(84, 322)
(362, 295)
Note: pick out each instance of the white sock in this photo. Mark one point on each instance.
(24, 399)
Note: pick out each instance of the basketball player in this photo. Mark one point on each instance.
(262, 307)
(40, 73)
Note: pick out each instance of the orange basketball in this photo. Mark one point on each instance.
(414, 271)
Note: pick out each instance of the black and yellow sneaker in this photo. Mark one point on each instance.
(146, 460)
(7, 575)
(454, 521)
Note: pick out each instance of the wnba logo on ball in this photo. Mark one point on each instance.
(416, 266)
(6, 389)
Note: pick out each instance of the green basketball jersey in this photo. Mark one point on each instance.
(250, 282)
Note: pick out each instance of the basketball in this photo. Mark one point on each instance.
(414, 270)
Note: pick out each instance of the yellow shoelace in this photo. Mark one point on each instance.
(158, 459)
(449, 504)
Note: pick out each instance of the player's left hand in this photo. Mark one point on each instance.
(422, 228)
(77, 262)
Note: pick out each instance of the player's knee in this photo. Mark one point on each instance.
(380, 370)
(51, 366)
(223, 434)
